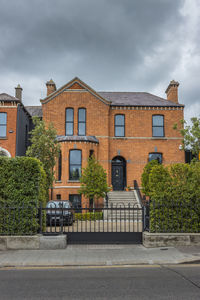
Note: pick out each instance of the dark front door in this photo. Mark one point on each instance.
(118, 177)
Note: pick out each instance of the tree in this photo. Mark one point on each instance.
(191, 136)
(93, 181)
(44, 147)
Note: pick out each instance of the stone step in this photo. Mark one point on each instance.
(122, 199)
(121, 196)
(124, 217)
(121, 203)
(118, 199)
(114, 194)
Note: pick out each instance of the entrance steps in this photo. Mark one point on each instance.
(127, 204)
(122, 198)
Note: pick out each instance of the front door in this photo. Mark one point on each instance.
(118, 177)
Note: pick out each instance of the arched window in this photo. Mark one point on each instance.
(75, 161)
(158, 126)
(81, 121)
(119, 125)
(69, 121)
(4, 152)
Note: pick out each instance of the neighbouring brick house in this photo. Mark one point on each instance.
(15, 124)
(123, 130)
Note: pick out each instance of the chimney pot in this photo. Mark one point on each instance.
(172, 91)
(51, 87)
(18, 92)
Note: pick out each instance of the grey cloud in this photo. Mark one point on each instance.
(114, 32)
(111, 44)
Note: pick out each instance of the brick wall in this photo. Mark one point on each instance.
(9, 143)
(134, 147)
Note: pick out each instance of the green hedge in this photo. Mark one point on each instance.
(23, 188)
(174, 218)
(175, 197)
(89, 216)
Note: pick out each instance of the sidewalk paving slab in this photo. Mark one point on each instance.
(99, 255)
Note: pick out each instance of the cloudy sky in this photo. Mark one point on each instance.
(112, 45)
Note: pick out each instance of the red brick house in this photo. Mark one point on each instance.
(124, 130)
(15, 124)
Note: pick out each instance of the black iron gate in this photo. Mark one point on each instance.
(107, 225)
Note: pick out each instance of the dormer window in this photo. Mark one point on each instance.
(82, 121)
(69, 121)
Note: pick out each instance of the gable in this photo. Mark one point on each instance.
(73, 85)
(76, 86)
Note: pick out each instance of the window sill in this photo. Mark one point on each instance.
(58, 181)
(71, 180)
(159, 138)
(3, 138)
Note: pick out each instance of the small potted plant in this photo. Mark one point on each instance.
(127, 188)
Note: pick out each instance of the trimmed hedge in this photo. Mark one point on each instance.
(89, 216)
(23, 188)
(175, 198)
(176, 218)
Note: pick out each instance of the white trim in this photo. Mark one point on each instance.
(6, 106)
(66, 187)
(138, 138)
(5, 151)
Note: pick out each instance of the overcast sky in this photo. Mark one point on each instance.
(112, 45)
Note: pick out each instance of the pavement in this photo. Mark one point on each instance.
(100, 255)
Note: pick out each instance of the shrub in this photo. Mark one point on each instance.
(23, 188)
(89, 216)
(175, 198)
(145, 176)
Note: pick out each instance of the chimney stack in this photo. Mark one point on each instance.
(18, 92)
(51, 87)
(172, 91)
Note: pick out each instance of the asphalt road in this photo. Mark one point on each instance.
(139, 282)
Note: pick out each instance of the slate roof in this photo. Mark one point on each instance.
(117, 99)
(34, 111)
(6, 97)
(136, 99)
(77, 138)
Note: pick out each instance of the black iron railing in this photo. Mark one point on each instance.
(28, 221)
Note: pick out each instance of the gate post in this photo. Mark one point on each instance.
(143, 218)
(40, 217)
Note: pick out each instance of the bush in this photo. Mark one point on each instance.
(23, 188)
(89, 216)
(175, 198)
(145, 176)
